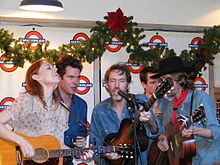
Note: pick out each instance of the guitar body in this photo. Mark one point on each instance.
(156, 156)
(181, 150)
(10, 152)
(125, 135)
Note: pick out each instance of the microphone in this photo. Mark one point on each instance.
(130, 98)
(124, 95)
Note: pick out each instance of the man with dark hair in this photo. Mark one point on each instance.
(185, 101)
(150, 84)
(108, 115)
(69, 69)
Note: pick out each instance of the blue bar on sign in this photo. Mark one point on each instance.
(4, 106)
(114, 43)
(3, 62)
(201, 85)
(23, 84)
(157, 43)
(193, 45)
(131, 64)
(85, 85)
(33, 39)
(75, 41)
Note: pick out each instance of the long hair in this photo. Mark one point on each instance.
(34, 87)
(183, 79)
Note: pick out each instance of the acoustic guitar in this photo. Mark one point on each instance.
(182, 149)
(125, 135)
(48, 151)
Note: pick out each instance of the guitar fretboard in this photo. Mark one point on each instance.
(149, 103)
(79, 152)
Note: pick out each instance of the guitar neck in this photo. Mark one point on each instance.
(79, 152)
(189, 122)
(65, 152)
(147, 106)
(149, 103)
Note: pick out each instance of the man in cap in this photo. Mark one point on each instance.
(185, 100)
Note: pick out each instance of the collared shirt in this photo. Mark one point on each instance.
(207, 149)
(105, 121)
(76, 128)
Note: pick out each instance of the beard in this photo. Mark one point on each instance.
(115, 95)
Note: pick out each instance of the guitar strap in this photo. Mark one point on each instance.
(191, 103)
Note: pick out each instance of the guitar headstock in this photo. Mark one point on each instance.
(126, 150)
(164, 86)
(199, 114)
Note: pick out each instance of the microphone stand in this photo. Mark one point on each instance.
(132, 109)
(84, 124)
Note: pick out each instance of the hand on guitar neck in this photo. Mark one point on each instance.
(145, 117)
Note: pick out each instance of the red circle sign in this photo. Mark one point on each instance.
(32, 33)
(203, 86)
(80, 35)
(154, 38)
(193, 44)
(87, 85)
(3, 65)
(134, 68)
(6, 100)
(118, 44)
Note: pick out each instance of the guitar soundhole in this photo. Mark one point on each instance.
(41, 155)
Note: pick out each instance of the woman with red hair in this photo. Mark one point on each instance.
(37, 111)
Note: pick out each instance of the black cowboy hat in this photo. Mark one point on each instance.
(170, 65)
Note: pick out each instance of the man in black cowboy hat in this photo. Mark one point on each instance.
(184, 100)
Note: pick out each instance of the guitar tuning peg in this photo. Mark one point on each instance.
(126, 156)
(131, 157)
(122, 156)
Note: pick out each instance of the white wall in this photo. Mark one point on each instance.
(176, 12)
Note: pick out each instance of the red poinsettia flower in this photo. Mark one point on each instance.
(117, 21)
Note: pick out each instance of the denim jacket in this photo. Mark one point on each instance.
(105, 121)
(76, 128)
(208, 150)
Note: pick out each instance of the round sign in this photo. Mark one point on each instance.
(86, 85)
(133, 67)
(4, 101)
(153, 44)
(201, 85)
(7, 67)
(30, 37)
(114, 46)
(79, 36)
(194, 41)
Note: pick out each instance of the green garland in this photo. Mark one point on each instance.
(93, 48)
